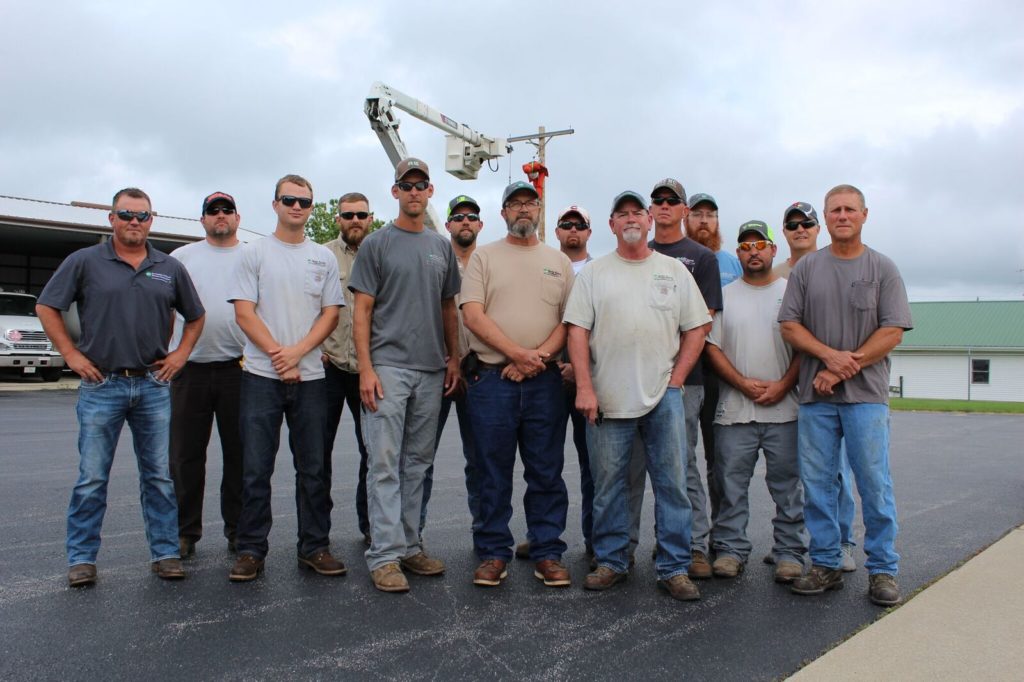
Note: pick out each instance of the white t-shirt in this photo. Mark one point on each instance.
(212, 269)
(635, 311)
(290, 284)
(748, 332)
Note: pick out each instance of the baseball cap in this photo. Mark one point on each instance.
(221, 197)
(405, 166)
(629, 194)
(701, 197)
(518, 186)
(462, 199)
(574, 209)
(758, 226)
(803, 207)
(671, 184)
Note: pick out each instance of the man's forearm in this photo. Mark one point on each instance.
(720, 363)
(56, 330)
(555, 341)
(253, 327)
(321, 329)
(880, 344)
(362, 317)
(450, 320)
(798, 336)
(691, 343)
(485, 329)
(190, 334)
(579, 356)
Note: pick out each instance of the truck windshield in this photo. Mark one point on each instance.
(17, 305)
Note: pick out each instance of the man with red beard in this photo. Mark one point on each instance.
(339, 351)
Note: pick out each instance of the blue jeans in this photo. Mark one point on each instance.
(531, 415)
(472, 470)
(662, 432)
(847, 507)
(103, 407)
(865, 428)
(265, 403)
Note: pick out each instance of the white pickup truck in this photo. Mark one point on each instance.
(24, 347)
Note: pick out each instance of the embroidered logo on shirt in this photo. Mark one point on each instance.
(552, 273)
(159, 276)
(314, 261)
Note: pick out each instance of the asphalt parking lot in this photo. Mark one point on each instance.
(959, 487)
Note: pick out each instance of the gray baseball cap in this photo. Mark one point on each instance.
(518, 186)
(803, 207)
(671, 184)
(406, 166)
(628, 194)
(462, 199)
(700, 197)
(758, 226)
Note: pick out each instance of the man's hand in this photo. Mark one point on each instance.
(285, 358)
(82, 366)
(752, 388)
(774, 391)
(452, 377)
(568, 374)
(169, 366)
(370, 388)
(586, 403)
(530, 361)
(825, 381)
(510, 372)
(843, 363)
(291, 376)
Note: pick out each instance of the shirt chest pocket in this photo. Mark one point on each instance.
(551, 289)
(314, 283)
(864, 295)
(661, 295)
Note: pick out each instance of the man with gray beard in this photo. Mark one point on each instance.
(513, 297)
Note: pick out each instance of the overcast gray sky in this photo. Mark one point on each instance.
(761, 104)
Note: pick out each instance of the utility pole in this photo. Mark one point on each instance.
(542, 142)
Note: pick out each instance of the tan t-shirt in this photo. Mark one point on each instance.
(339, 346)
(523, 290)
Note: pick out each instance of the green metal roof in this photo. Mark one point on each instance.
(966, 324)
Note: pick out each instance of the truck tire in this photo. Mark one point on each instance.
(52, 374)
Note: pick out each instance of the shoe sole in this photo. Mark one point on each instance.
(662, 585)
(822, 590)
(244, 577)
(883, 602)
(483, 582)
(785, 579)
(418, 571)
(82, 582)
(726, 574)
(303, 563)
(392, 588)
(620, 578)
(562, 582)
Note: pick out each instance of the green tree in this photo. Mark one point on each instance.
(321, 227)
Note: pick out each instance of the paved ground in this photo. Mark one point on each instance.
(959, 482)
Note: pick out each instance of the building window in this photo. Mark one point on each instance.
(979, 371)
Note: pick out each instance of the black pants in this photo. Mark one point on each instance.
(202, 391)
(342, 388)
(707, 432)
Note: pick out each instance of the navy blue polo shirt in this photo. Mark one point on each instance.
(125, 313)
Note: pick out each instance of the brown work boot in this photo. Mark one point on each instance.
(883, 590)
(81, 575)
(168, 569)
(246, 568)
(389, 578)
(523, 550)
(323, 563)
(726, 566)
(421, 564)
(552, 573)
(788, 571)
(490, 573)
(186, 547)
(680, 587)
(818, 580)
(700, 567)
(602, 579)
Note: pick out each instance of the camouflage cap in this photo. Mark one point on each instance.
(671, 184)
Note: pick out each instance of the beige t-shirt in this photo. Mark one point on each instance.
(635, 311)
(339, 346)
(523, 290)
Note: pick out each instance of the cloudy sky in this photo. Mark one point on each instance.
(919, 104)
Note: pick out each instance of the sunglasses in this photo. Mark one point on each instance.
(217, 210)
(407, 186)
(349, 215)
(671, 201)
(573, 225)
(289, 201)
(795, 225)
(459, 217)
(760, 245)
(127, 216)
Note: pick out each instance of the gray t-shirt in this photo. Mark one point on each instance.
(408, 274)
(125, 313)
(212, 269)
(842, 302)
(290, 285)
(635, 311)
(747, 331)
